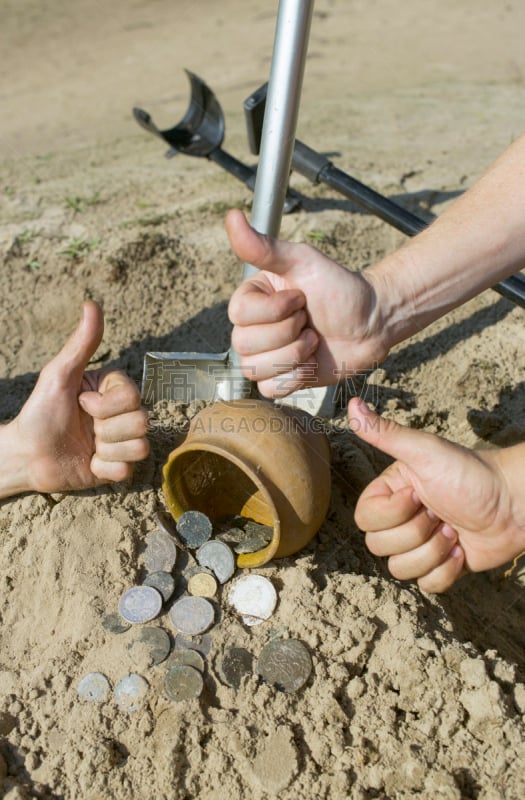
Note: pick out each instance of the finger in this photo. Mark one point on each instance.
(426, 557)
(403, 538)
(294, 359)
(110, 470)
(441, 578)
(256, 249)
(260, 338)
(255, 302)
(68, 366)
(378, 508)
(130, 450)
(415, 447)
(117, 394)
(133, 425)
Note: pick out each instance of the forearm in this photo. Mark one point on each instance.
(14, 476)
(474, 244)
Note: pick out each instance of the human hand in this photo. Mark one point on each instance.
(439, 510)
(77, 429)
(303, 320)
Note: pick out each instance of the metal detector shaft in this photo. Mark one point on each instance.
(319, 169)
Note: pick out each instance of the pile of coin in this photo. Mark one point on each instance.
(207, 563)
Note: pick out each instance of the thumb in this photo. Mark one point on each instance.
(255, 248)
(413, 447)
(69, 365)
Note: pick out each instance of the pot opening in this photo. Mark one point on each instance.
(203, 480)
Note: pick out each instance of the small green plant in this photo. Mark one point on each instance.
(78, 204)
(24, 237)
(316, 236)
(34, 265)
(76, 248)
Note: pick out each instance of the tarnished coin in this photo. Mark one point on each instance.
(235, 663)
(186, 658)
(250, 543)
(140, 604)
(151, 644)
(94, 688)
(194, 528)
(130, 692)
(285, 663)
(192, 615)
(163, 582)
(254, 598)
(219, 558)
(183, 683)
(166, 522)
(114, 623)
(160, 554)
(202, 584)
(200, 643)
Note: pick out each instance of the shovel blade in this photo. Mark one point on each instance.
(183, 377)
(186, 377)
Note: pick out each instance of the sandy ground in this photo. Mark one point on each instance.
(410, 695)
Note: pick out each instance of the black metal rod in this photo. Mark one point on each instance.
(319, 169)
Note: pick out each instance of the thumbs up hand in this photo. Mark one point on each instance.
(302, 320)
(439, 510)
(78, 429)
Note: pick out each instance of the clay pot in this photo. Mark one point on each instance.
(253, 458)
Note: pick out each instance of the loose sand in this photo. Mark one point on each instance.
(410, 695)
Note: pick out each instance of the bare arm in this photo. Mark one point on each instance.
(303, 309)
(475, 243)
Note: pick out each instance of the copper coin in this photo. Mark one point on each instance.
(183, 683)
(285, 663)
(186, 658)
(235, 663)
(202, 584)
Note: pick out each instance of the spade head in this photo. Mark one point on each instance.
(200, 131)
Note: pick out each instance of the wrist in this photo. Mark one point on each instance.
(14, 468)
(394, 309)
(511, 465)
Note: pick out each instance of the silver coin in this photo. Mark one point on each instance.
(186, 658)
(235, 663)
(94, 688)
(192, 615)
(219, 558)
(114, 623)
(254, 598)
(163, 582)
(194, 528)
(160, 554)
(285, 663)
(130, 692)
(140, 604)
(152, 643)
(202, 644)
(183, 683)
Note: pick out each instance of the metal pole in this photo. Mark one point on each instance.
(280, 117)
(277, 140)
